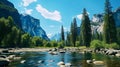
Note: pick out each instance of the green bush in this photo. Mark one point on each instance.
(61, 44)
(77, 43)
(47, 44)
(96, 44)
(112, 46)
(54, 44)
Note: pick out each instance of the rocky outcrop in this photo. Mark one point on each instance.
(32, 26)
(97, 21)
(97, 18)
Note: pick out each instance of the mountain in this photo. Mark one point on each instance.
(58, 35)
(32, 26)
(26, 22)
(97, 21)
(97, 18)
(8, 9)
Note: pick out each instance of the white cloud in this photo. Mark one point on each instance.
(28, 11)
(49, 15)
(80, 16)
(49, 35)
(27, 2)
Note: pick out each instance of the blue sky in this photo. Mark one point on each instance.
(54, 13)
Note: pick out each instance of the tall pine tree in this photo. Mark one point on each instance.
(68, 41)
(85, 29)
(62, 34)
(109, 29)
(74, 31)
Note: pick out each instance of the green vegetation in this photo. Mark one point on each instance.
(110, 34)
(109, 29)
(62, 34)
(68, 40)
(118, 35)
(3, 6)
(12, 36)
(97, 44)
(73, 32)
(9, 33)
(112, 45)
(62, 38)
(85, 29)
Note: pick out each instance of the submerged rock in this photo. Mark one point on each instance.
(98, 63)
(23, 61)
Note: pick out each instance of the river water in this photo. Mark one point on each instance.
(44, 59)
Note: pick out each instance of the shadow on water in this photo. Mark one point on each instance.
(44, 59)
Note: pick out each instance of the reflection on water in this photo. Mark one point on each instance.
(44, 59)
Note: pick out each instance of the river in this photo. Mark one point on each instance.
(44, 59)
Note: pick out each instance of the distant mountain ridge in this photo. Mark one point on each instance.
(57, 36)
(32, 26)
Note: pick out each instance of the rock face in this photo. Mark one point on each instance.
(26, 22)
(8, 9)
(97, 21)
(32, 25)
(97, 18)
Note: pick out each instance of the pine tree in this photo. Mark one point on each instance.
(85, 29)
(68, 41)
(109, 29)
(62, 37)
(74, 31)
(62, 34)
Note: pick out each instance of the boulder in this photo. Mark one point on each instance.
(60, 63)
(111, 52)
(4, 61)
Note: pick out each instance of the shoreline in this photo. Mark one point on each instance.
(26, 49)
(41, 49)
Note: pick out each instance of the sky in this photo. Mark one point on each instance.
(55, 13)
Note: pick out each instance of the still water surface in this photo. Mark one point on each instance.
(44, 59)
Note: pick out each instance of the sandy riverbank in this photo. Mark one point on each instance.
(27, 49)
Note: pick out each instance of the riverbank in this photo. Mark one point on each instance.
(41, 49)
(25, 49)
